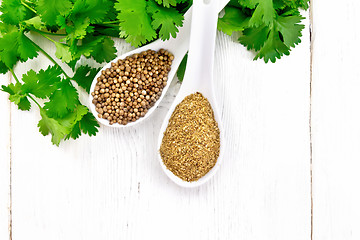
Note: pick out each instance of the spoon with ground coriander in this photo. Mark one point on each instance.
(127, 90)
(191, 140)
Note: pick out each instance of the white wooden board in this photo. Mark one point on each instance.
(4, 161)
(112, 187)
(335, 119)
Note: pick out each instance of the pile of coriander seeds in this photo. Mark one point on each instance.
(131, 86)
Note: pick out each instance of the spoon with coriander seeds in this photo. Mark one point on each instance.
(191, 140)
(127, 90)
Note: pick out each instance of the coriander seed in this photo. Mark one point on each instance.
(128, 82)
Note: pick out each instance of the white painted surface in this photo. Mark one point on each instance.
(4, 161)
(335, 120)
(111, 186)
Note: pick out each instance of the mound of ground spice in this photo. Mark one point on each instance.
(191, 143)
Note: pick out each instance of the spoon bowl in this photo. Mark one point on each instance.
(177, 46)
(198, 78)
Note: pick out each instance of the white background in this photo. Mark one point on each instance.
(290, 171)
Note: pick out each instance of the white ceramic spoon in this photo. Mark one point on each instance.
(198, 76)
(177, 46)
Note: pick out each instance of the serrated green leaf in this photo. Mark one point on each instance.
(89, 125)
(165, 20)
(3, 68)
(254, 38)
(41, 84)
(35, 22)
(264, 13)
(94, 10)
(50, 125)
(50, 9)
(273, 48)
(104, 51)
(63, 52)
(290, 29)
(234, 20)
(17, 96)
(26, 49)
(13, 12)
(84, 76)
(9, 49)
(75, 132)
(135, 23)
(63, 100)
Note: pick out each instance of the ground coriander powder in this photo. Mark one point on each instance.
(191, 143)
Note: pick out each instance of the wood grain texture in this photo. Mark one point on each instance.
(4, 160)
(112, 187)
(335, 120)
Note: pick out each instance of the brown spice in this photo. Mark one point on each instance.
(125, 91)
(191, 143)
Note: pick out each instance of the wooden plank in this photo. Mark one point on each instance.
(335, 120)
(5, 217)
(112, 187)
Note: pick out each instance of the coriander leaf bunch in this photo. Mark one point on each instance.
(268, 27)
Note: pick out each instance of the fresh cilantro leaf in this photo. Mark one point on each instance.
(95, 10)
(26, 49)
(254, 38)
(167, 3)
(104, 50)
(88, 45)
(50, 125)
(242, 3)
(63, 100)
(304, 4)
(234, 20)
(63, 52)
(273, 48)
(135, 23)
(181, 70)
(85, 123)
(7, 28)
(35, 22)
(17, 96)
(73, 117)
(13, 12)
(264, 12)
(41, 84)
(76, 29)
(3, 68)
(84, 76)
(89, 125)
(75, 132)
(290, 29)
(9, 49)
(50, 9)
(66, 127)
(167, 20)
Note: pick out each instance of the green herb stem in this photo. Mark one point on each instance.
(28, 7)
(48, 33)
(27, 94)
(15, 77)
(48, 56)
(50, 39)
(107, 25)
(111, 22)
(31, 97)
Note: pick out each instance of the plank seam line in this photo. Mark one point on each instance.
(10, 166)
(310, 120)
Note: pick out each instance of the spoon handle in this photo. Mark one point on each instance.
(199, 68)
